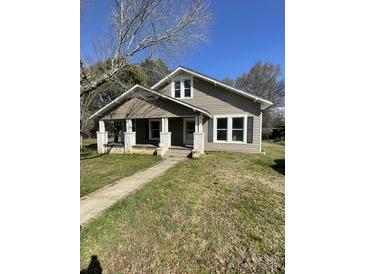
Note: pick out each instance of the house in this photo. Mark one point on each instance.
(186, 109)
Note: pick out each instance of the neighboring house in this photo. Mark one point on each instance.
(186, 108)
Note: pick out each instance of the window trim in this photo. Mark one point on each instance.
(226, 129)
(191, 88)
(150, 128)
(181, 79)
(229, 128)
(242, 129)
(174, 90)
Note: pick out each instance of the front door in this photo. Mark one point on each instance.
(189, 128)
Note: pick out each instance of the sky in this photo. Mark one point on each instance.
(242, 32)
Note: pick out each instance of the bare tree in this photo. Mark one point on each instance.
(91, 102)
(228, 81)
(86, 103)
(156, 69)
(141, 28)
(263, 80)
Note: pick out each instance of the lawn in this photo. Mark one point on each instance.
(223, 212)
(98, 170)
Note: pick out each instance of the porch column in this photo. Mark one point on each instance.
(198, 137)
(129, 137)
(165, 135)
(102, 137)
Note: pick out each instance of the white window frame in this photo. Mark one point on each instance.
(229, 128)
(173, 89)
(150, 128)
(182, 87)
(216, 129)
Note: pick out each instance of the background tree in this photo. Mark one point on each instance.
(156, 69)
(263, 80)
(131, 75)
(91, 102)
(228, 81)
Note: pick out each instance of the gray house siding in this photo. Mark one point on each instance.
(219, 101)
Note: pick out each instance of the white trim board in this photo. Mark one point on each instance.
(264, 103)
(261, 131)
(119, 98)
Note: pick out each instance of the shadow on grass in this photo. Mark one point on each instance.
(279, 166)
(89, 150)
(84, 156)
(92, 146)
(94, 266)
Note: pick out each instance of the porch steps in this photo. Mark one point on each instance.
(144, 147)
(178, 153)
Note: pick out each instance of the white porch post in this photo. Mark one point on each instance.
(198, 137)
(165, 136)
(102, 137)
(129, 137)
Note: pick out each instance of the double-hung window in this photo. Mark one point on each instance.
(182, 88)
(231, 129)
(237, 129)
(187, 88)
(222, 129)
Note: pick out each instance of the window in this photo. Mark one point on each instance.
(190, 127)
(237, 128)
(187, 88)
(177, 89)
(231, 129)
(222, 128)
(154, 129)
(182, 88)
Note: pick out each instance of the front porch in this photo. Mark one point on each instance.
(160, 136)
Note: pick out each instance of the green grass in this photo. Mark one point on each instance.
(223, 212)
(98, 170)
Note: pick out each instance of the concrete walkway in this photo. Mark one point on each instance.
(93, 204)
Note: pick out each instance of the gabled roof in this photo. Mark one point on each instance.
(264, 103)
(117, 100)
